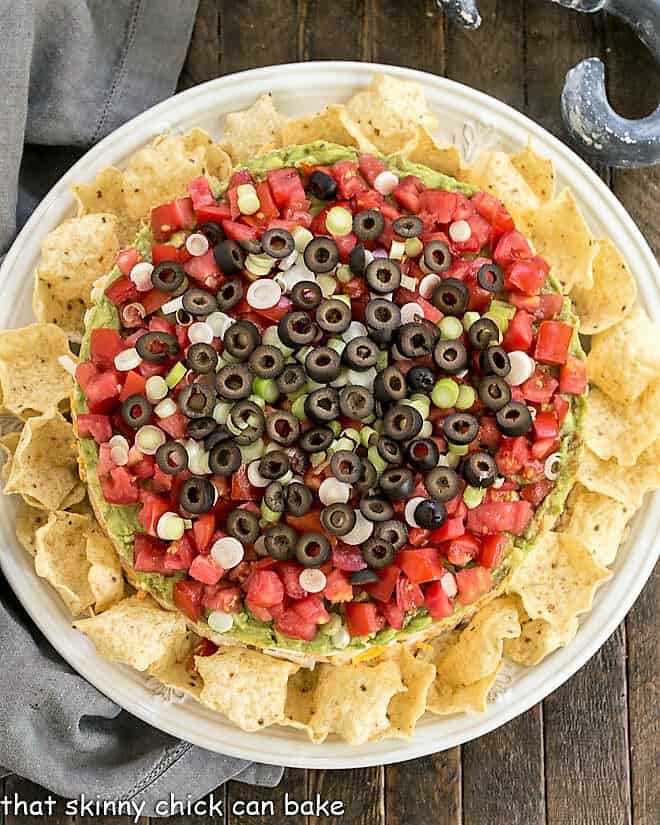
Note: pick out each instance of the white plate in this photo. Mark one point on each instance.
(469, 119)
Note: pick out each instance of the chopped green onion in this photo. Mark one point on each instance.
(449, 460)
(473, 496)
(327, 284)
(250, 452)
(376, 459)
(302, 354)
(245, 189)
(259, 265)
(272, 338)
(248, 204)
(466, 397)
(408, 282)
(470, 318)
(349, 432)
(221, 411)
(444, 393)
(258, 400)
(341, 444)
(318, 458)
(337, 345)
(301, 237)
(298, 407)
(397, 250)
(383, 360)
(503, 308)
(335, 426)
(267, 514)
(266, 388)
(345, 298)
(450, 328)
(344, 273)
(427, 430)
(414, 247)
(175, 375)
(332, 626)
(422, 405)
(339, 221)
(367, 435)
(458, 449)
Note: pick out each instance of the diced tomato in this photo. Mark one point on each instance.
(277, 312)
(421, 564)
(153, 300)
(203, 529)
(309, 523)
(512, 455)
(492, 550)
(289, 572)
(561, 406)
(370, 168)
(121, 291)
(362, 618)
(511, 247)
(463, 550)
(438, 205)
(494, 211)
(346, 557)
(500, 517)
(528, 276)
(287, 189)
(180, 555)
(437, 602)
(451, 529)
(134, 384)
(311, 609)
(537, 491)
(153, 507)
(552, 342)
(241, 489)
(102, 391)
(550, 305)
(126, 260)
(530, 303)
(201, 267)
(120, 487)
(214, 214)
(393, 614)
(148, 554)
(408, 595)
(263, 614)
(98, 427)
(540, 387)
(200, 192)
(338, 587)
(265, 588)
(489, 432)
(292, 625)
(383, 589)
(349, 182)
(161, 252)
(188, 598)
(545, 425)
(544, 447)
(355, 288)
(170, 217)
(519, 333)
(418, 536)
(145, 468)
(407, 193)
(345, 245)
(206, 569)
(226, 598)
(573, 376)
(473, 583)
(240, 231)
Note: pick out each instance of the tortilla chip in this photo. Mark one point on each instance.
(300, 698)
(625, 358)
(8, 444)
(218, 162)
(538, 172)
(598, 521)
(618, 482)
(179, 678)
(651, 456)
(248, 131)
(557, 581)
(250, 688)
(28, 521)
(105, 575)
(538, 638)
(139, 633)
(333, 124)
(32, 380)
(613, 292)
(619, 431)
(389, 111)
(407, 707)
(494, 172)
(61, 559)
(423, 148)
(45, 465)
(561, 236)
(352, 700)
(73, 256)
(106, 194)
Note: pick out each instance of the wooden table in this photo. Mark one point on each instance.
(590, 753)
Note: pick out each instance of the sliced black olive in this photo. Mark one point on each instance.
(280, 541)
(491, 278)
(316, 439)
(136, 411)
(230, 294)
(357, 260)
(312, 549)
(249, 420)
(157, 347)
(460, 428)
(200, 428)
(225, 458)
(199, 302)
(360, 353)
(282, 427)
(251, 246)
(437, 256)
(483, 333)
(396, 483)
(201, 358)
(306, 295)
(394, 532)
(323, 186)
(378, 553)
(369, 477)
(451, 297)
(346, 466)
(296, 329)
(292, 379)
(172, 458)
(243, 525)
(212, 231)
(408, 226)
(422, 454)
(479, 469)
(495, 361)
(168, 276)
(494, 392)
(374, 508)
(220, 434)
(298, 459)
(278, 243)
(450, 356)
(234, 382)
(322, 406)
(390, 385)
(389, 449)
(197, 400)
(442, 483)
(333, 316)
(183, 318)
(197, 495)
(356, 402)
(298, 499)
(430, 514)
(274, 464)
(366, 576)
(415, 340)
(402, 422)
(369, 224)
(338, 519)
(323, 364)
(321, 255)
(241, 339)
(274, 497)
(266, 361)
(229, 256)
(514, 418)
(383, 318)
(383, 276)
(420, 379)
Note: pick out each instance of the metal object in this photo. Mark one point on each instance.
(591, 122)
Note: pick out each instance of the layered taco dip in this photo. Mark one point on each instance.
(329, 408)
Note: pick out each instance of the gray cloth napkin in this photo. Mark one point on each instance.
(74, 70)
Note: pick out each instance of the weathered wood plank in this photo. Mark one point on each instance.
(202, 818)
(425, 790)
(408, 34)
(202, 60)
(257, 33)
(332, 31)
(292, 786)
(28, 792)
(586, 743)
(361, 791)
